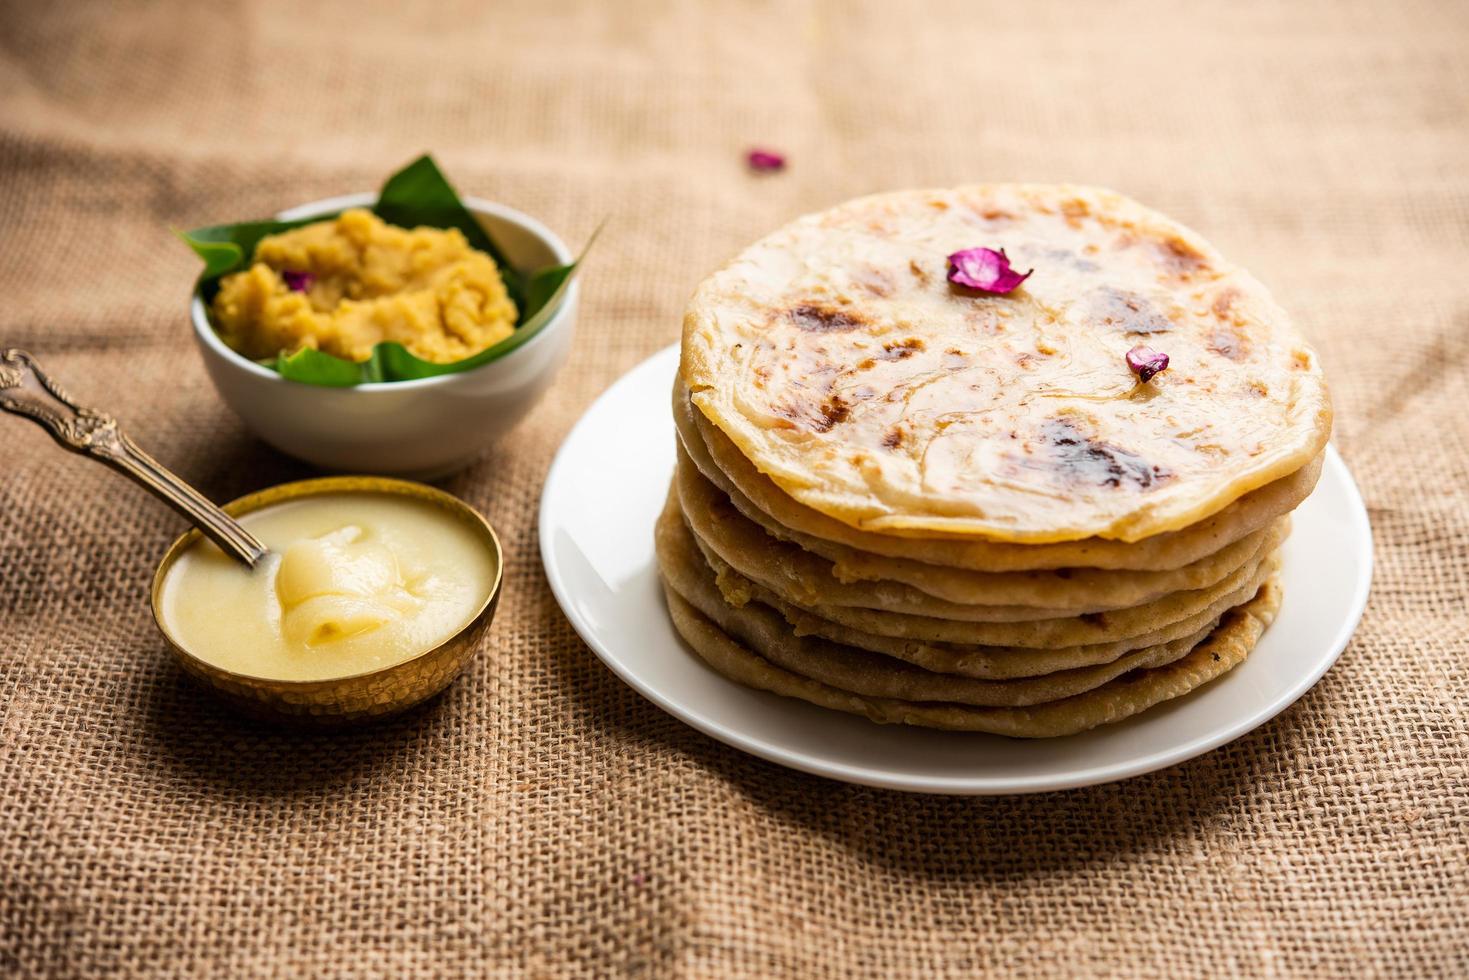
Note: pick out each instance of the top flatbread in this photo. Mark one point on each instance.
(759, 499)
(839, 360)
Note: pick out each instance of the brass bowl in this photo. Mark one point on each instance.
(355, 698)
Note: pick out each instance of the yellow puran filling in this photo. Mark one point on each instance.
(366, 282)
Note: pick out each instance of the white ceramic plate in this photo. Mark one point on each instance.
(607, 487)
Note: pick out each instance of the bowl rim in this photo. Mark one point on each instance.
(206, 334)
(315, 487)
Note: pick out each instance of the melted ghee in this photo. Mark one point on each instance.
(353, 583)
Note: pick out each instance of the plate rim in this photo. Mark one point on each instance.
(947, 785)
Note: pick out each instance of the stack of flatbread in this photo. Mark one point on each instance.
(965, 506)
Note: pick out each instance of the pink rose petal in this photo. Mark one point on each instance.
(298, 282)
(984, 269)
(1146, 362)
(765, 161)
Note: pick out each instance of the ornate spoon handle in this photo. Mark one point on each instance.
(28, 391)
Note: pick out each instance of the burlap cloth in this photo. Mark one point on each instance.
(542, 818)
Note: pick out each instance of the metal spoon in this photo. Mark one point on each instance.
(28, 391)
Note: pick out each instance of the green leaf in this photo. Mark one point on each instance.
(420, 194)
(417, 195)
(314, 367)
(544, 285)
(225, 248)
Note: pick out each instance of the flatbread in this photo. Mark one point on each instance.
(1225, 648)
(989, 662)
(760, 499)
(1040, 634)
(837, 358)
(859, 671)
(988, 652)
(806, 579)
(1062, 591)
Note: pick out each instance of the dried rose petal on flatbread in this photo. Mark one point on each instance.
(984, 269)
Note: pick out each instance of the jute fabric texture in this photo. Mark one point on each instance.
(542, 819)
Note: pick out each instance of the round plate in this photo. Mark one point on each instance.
(607, 487)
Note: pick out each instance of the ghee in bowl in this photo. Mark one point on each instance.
(370, 600)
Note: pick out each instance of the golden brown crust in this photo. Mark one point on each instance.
(756, 496)
(1060, 591)
(1114, 701)
(975, 648)
(806, 580)
(837, 359)
(852, 669)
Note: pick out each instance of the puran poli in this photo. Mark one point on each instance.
(806, 579)
(754, 494)
(1225, 648)
(1060, 590)
(840, 361)
(765, 632)
(1037, 634)
(988, 662)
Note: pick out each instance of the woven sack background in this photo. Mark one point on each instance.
(541, 819)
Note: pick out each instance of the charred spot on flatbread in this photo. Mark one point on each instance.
(1083, 459)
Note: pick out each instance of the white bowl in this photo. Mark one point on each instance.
(425, 428)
